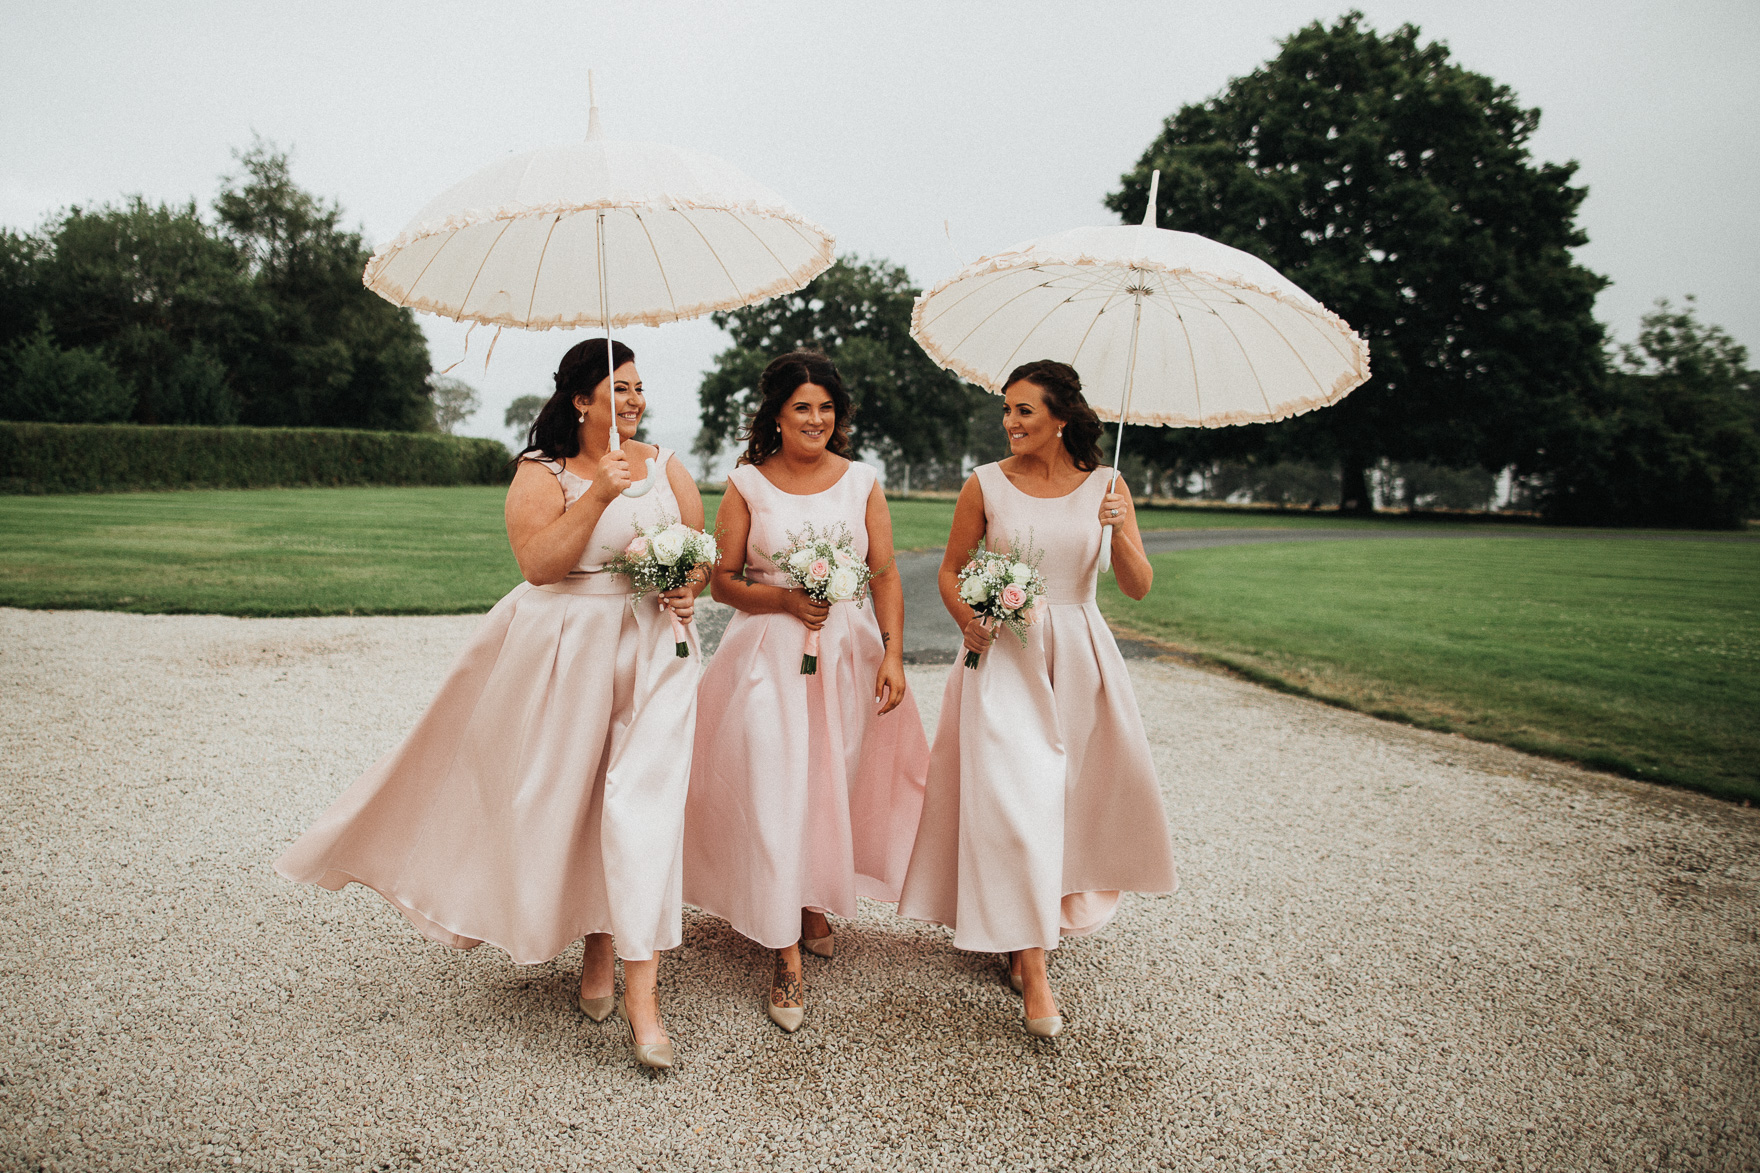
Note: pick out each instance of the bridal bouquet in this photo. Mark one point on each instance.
(826, 567)
(1003, 589)
(662, 558)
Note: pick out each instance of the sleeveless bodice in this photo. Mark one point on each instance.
(1066, 529)
(776, 514)
(617, 526)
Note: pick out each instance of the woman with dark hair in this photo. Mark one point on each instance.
(540, 799)
(1042, 803)
(804, 791)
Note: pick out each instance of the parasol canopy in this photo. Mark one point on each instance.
(1163, 327)
(601, 233)
(527, 240)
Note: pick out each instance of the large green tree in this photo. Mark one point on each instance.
(328, 351)
(858, 313)
(154, 290)
(1398, 188)
(1670, 438)
(258, 317)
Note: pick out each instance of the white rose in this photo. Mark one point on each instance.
(974, 590)
(801, 559)
(1020, 574)
(667, 545)
(844, 581)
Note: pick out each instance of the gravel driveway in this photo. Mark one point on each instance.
(1392, 950)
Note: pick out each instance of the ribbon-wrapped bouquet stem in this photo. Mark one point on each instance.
(1003, 589)
(826, 567)
(663, 557)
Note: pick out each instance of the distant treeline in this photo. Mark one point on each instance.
(153, 314)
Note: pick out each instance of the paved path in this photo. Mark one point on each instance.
(1391, 950)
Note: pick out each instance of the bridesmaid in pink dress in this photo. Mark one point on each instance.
(1042, 801)
(540, 798)
(805, 790)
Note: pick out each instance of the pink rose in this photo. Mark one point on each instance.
(1013, 597)
(1030, 614)
(637, 546)
(819, 571)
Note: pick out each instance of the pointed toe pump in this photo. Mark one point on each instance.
(598, 1009)
(1045, 1028)
(655, 1055)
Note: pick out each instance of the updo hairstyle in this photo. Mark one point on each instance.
(555, 434)
(781, 379)
(1061, 388)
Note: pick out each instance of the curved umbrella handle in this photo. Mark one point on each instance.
(1106, 530)
(646, 486)
(641, 490)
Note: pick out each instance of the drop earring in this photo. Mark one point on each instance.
(582, 417)
(1060, 433)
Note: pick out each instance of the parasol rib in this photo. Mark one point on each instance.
(1245, 354)
(660, 265)
(411, 291)
(538, 272)
(472, 287)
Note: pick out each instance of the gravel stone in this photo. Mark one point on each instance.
(1392, 950)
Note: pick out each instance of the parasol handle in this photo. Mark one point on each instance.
(1130, 385)
(1106, 530)
(616, 441)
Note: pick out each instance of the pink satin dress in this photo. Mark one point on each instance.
(541, 796)
(800, 795)
(1042, 802)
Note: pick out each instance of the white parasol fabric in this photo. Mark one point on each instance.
(602, 233)
(1163, 327)
(519, 243)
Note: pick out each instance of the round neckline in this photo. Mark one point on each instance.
(849, 464)
(1060, 497)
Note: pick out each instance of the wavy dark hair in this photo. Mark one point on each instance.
(784, 376)
(1062, 390)
(556, 433)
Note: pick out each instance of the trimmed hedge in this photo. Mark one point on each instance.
(98, 458)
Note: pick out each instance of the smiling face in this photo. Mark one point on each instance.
(1032, 429)
(627, 404)
(807, 420)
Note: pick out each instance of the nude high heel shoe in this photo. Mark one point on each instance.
(817, 946)
(655, 1055)
(598, 1009)
(789, 1018)
(1045, 1028)
(1014, 979)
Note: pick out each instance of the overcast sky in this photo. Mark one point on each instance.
(881, 121)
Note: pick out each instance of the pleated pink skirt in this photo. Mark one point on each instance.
(800, 796)
(1042, 802)
(541, 796)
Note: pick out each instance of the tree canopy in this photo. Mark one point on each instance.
(858, 313)
(258, 317)
(1397, 188)
(1670, 438)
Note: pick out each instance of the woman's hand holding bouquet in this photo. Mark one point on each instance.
(827, 570)
(671, 559)
(1002, 590)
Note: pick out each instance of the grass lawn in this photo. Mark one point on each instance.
(1638, 656)
(350, 551)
